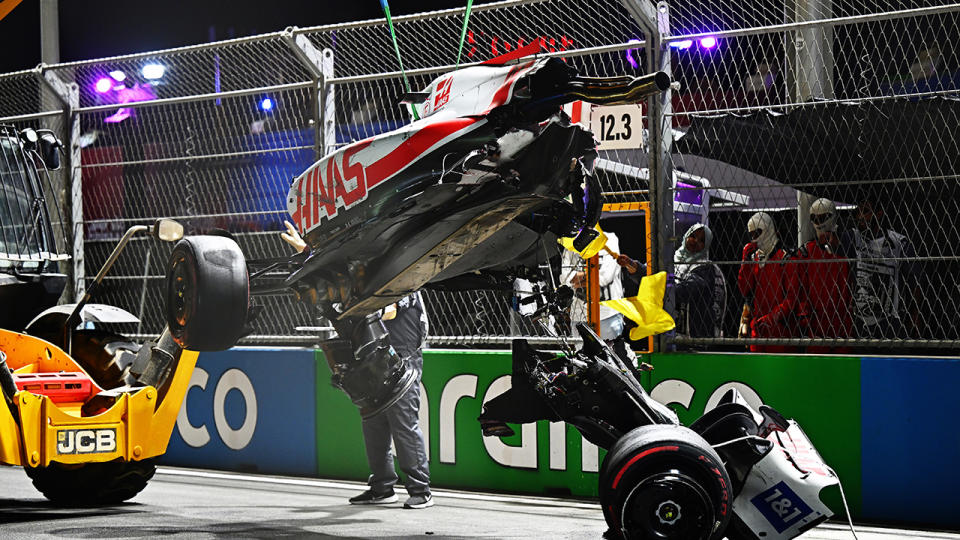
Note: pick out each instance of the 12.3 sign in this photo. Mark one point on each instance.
(617, 126)
(609, 127)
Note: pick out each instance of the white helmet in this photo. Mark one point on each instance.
(823, 215)
(763, 232)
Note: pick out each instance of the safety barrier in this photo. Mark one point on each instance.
(885, 424)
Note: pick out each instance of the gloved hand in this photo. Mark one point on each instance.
(764, 325)
(744, 330)
(748, 251)
(292, 237)
(627, 262)
(829, 241)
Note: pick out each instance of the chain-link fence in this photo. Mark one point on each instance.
(780, 103)
(836, 118)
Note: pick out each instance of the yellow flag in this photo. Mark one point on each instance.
(646, 308)
(592, 248)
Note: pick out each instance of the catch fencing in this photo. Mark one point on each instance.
(851, 101)
(217, 139)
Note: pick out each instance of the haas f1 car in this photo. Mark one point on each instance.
(474, 191)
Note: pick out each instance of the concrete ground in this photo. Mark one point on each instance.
(188, 503)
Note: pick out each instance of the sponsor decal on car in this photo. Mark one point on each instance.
(781, 506)
(442, 93)
(345, 177)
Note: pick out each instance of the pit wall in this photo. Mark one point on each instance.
(888, 426)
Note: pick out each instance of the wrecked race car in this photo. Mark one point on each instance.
(488, 175)
(735, 472)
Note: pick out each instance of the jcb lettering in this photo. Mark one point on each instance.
(86, 441)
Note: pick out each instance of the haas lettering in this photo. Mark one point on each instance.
(336, 182)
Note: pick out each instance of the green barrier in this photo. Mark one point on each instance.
(340, 451)
(540, 458)
(822, 394)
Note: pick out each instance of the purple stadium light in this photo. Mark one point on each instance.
(630, 57)
(138, 92)
(682, 45)
(708, 42)
(103, 85)
(119, 116)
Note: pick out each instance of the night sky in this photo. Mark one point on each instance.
(100, 28)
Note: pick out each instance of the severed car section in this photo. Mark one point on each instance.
(490, 173)
(735, 472)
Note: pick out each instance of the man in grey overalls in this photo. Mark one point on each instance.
(407, 323)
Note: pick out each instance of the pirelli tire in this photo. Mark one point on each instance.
(92, 484)
(207, 293)
(664, 482)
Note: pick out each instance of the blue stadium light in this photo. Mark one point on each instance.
(682, 45)
(153, 71)
(266, 104)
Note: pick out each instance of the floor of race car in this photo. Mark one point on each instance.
(208, 504)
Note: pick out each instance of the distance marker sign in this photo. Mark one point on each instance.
(617, 126)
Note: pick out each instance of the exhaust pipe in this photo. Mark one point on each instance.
(617, 91)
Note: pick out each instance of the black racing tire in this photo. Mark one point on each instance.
(664, 482)
(208, 293)
(92, 484)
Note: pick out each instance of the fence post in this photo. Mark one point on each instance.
(69, 96)
(76, 194)
(328, 106)
(320, 65)
(809, 75)
(655, 23)
(323, 113)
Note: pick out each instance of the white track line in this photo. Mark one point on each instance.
(282, 480)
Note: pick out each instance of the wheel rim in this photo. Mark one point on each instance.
(181, 300)
(668, 505)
